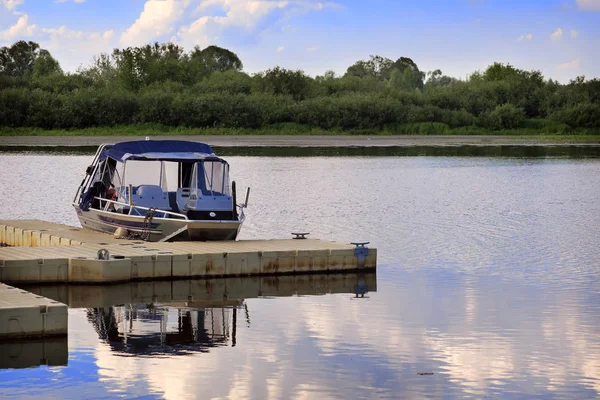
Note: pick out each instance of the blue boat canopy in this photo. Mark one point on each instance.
(168, 150)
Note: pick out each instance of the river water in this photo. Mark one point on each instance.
(488, 285)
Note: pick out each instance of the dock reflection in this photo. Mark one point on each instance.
(33, 353)
(188, 316)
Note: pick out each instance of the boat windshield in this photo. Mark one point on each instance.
(154, 173)
(210, 178)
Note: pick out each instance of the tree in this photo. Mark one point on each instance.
(377, 67)
(215, 58)
(45, 65)
(281, 81)
(18, 59)
(437, 79)
(503, 72)
(402, 80)
(505, 116)
(416, 77)
(139, 66)
(102, 72)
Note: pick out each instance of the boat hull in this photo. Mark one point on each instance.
(160, 228)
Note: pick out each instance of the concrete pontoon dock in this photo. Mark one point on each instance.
(46, 253)
(26, 315)
(64, 254)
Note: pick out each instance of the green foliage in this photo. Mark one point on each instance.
(376, 67)
(352, 111)
(505, 116)
(437, 79)
(231, 82)
(45, 65)
(18, 59)
(160, 86)
(14, 104)
(281, 81)
(215, 58)
(584, 115)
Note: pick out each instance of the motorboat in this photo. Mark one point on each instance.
(160, 190)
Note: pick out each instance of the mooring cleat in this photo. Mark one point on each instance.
(103, 254)
(361, 252)
(300, 235)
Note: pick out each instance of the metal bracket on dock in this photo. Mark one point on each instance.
(300, 235)
(361, 251)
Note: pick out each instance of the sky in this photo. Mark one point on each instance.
(561, 38)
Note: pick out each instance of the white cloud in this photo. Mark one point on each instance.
(571, 65)
(20, 29)
(11, 4)
(222, 17)
(311, 49)
(557, 35)
(186, 22)
(529, 36)
(156, 20)
(574, 34)
(238, 14)
(280, 49)
(69, 46)
(588, 5)
(72, 47)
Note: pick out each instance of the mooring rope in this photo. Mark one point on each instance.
(146, 227)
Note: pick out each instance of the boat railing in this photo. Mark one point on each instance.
(90, 173)
(106, 203)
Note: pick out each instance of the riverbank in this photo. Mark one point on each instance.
(334, 146)
(310, 140)
(292, 135)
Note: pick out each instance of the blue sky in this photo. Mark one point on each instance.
(559, 37)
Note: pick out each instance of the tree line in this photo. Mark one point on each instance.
(163, 84)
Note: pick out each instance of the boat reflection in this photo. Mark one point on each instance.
(164, 328)
(188, 316)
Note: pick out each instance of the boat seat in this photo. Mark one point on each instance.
(182, 197)
(151, 196)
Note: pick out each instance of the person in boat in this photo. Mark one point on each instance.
(112, 194)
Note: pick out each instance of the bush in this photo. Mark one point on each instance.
(582, 115)
(42, 112)
(230, 82)
(354, 111)
(14, 104)
(505, 116)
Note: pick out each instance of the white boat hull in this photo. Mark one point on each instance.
(160, 229)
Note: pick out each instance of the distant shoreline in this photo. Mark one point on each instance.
(325, 141)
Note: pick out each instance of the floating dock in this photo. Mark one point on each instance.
(51, 253)
(45, 253)
(27, 315)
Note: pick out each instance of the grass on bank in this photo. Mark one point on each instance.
(532, 131)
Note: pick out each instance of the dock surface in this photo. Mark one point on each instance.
(27, 315)
(42, 252)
